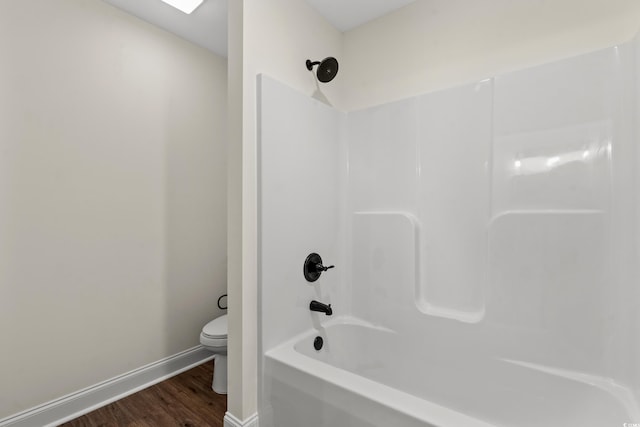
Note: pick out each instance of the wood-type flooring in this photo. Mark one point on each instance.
(185, 400)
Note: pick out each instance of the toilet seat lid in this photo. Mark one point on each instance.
(217, 328)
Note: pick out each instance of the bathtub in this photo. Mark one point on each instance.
(360, 378)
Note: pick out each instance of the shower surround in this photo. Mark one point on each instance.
(485, 242)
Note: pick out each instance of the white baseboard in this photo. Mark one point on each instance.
(232, 421)
(81, 402)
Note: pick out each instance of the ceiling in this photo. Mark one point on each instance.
(207, 25)
(346, 15)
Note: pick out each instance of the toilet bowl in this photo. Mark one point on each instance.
(214, 338)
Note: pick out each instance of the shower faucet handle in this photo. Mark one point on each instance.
(313, 267)
(321, 267)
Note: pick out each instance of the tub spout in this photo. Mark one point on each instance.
(320, 307)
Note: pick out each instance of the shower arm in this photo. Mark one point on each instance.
(310, 64)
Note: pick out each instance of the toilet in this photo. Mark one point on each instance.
(214, 338)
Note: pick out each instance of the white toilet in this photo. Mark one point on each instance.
(214, 338)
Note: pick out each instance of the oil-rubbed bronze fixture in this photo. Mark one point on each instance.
(321, 307)
(313, 267)
(327, 68)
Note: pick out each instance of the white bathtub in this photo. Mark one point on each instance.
(361, 378)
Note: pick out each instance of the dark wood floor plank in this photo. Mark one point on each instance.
(185, 400)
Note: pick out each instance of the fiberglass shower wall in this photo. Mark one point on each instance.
(301, 171)
(500, 218)
(492, 226)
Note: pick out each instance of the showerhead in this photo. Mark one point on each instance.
(327, 68)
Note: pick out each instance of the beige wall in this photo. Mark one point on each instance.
(112, 196)
(241, 389)
(433, 44)
(276, 37)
